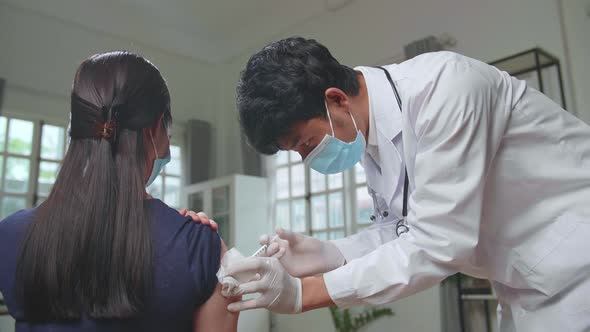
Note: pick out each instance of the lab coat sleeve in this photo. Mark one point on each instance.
(366, 240)
(456, 141)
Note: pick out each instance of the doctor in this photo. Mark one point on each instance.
(470, 171)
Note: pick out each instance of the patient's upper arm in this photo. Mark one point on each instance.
(213, 315)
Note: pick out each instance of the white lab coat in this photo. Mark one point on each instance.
(499, 189)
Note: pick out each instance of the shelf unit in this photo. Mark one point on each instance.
(469, 291)
(240, 205)
(539, 68)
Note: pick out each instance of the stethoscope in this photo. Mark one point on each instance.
(401, 226)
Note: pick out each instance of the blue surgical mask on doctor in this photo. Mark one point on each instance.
(333, 155)
(159, 163)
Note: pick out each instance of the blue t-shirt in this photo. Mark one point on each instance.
(187, 256)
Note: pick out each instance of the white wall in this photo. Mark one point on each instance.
(366, 32)
(45, 53)
(226, 127)
(41, 53)
(576, 17)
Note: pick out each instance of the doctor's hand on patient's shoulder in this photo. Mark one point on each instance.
(278, 291)
(302, 255)
(200, 218)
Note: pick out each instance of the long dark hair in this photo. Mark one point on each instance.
(88, 250)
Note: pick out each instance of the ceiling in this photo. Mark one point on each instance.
(213, 31)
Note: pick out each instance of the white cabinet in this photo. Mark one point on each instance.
(240, 205)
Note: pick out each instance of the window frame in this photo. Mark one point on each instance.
(31, 195)
(37, 198)
(165, 175)
(349, 198)
(180, 143)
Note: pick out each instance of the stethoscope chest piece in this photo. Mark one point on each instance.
(401, 227)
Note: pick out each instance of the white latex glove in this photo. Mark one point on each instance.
(303, 255)
(279, 292)
(230, 283)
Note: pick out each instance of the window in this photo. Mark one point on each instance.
(291, 203)
(53, 148)
(30, 154)
(363, 203)
(167, 186)
(326, 195)
(309, 202)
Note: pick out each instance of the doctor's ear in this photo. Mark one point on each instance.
(336, 98)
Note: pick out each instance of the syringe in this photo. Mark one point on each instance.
(262, 250)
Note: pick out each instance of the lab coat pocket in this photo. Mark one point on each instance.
(567, 264)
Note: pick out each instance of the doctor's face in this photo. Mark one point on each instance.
(304, 136)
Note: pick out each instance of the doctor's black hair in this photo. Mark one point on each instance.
(284, 83)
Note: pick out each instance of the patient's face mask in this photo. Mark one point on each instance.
(333, 155)
(159, 163)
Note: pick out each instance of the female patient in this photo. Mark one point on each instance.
(100, 254)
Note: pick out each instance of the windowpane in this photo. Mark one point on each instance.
(223, 224)
(11, 204)
(2, 132)
(196, 201)
(294, 157)
(172, 196)
(1, 169)
(47, 175)
(220, 199)
(335, 181)
(335, 204)
(298, 215)
(17, 175)
(282, 157)
(282, 182)
(317, 181)
(52, 142)
(336, 235)
(155, 189)
(364, 206)
(359, 174)
(282, 217)
(318, 212)
(297, 180)
(174, 167)
(321, 236)
(20, 136)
